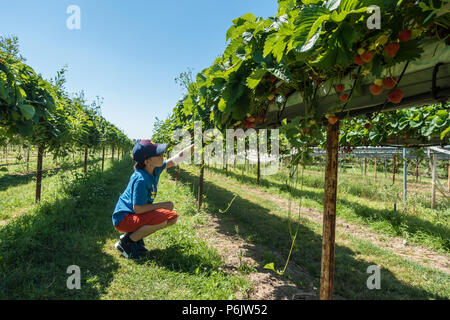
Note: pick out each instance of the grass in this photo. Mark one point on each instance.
(264, 225)
(360, 200)
(75, 228)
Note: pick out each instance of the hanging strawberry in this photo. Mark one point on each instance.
(332, 120)
(375, 90)
(392, 48)
(395, 96)
(389, 83)
(367, 56)
(404, 35)
(340, 88)
(344, 97)
(358, 60)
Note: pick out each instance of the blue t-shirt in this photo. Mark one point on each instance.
(141, 190)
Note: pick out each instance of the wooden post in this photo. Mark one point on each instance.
(39, 173)
(329, 214)
(103, 158)
(405, 176)
(375, 168)
(448, 177)
(393, 169)
(85, 158)
(28, 159)
(433, 182)
(365, 166)
(200, 184)
(417, 169)
(258, 170)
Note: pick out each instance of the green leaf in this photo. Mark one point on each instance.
(445, 132)
(270, 266)
(255, 78)
(222, 105)
(27, 111)
(377, 66)
(270, 43)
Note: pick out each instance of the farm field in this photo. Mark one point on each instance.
(218, 253)
(251, 150)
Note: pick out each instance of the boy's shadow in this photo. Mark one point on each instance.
(174, 258)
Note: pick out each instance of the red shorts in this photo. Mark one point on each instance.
(132, 222)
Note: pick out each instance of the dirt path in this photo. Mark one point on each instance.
(266, 285)
(417, 253)
(240, 255)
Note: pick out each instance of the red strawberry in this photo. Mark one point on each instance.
(251, 119)
(272, 79)
(367, 56)
(389, 83)
(358, 60)
(404, 35)
(344, 97)
(395, 96)
(392, 48)
(332, 120)
(340, 88)
(367, 126)
(375, 90)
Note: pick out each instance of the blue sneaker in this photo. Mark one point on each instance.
(141, 244)
(128, 248)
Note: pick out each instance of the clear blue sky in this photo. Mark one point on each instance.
(128, 52)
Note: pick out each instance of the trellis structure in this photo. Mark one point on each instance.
(425, 81)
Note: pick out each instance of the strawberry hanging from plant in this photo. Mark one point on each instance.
(404, 35)
(340, 88)
(358, 60)
(392, 48)
(344, 97)
(375, 90)
(395, 96)
(389, 83)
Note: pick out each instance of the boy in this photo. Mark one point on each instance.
(135, 213)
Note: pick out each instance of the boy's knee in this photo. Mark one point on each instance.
(172, 222)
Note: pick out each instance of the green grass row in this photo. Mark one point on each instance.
(75, 228)
(265, 226)
(363, 201)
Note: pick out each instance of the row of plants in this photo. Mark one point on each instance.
(41, 113)
(312, 47)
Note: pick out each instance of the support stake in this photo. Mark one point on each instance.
(329, 214)
(433, 182)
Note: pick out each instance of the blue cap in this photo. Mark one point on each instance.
(145, 149)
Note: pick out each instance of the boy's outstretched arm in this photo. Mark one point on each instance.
(179, 157)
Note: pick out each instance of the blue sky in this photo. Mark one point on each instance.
(128, 52)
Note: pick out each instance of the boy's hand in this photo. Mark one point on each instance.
(167, 205)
